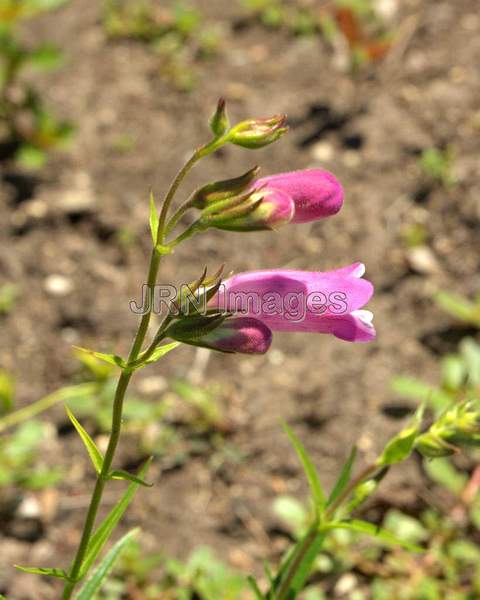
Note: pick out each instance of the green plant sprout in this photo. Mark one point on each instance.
(8, 296)
(437, 165)
(175, 33)
(25, 122)
(355, 21)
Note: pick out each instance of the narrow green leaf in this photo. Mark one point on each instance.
(375, 531)
(409, 387)
(59, 573)
(93, 451)
(458, 307)
(112, 359)
(161, 351)
(126, 476)
(102, 534)
(154, 219)
(92, 586)
(309, 468)
(344, 477)
(255, 589)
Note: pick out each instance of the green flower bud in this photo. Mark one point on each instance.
(219, 122)
(431, 446)
(257, 133)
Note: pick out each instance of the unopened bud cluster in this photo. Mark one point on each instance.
(456, 428)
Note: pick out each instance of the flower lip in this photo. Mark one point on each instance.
(310, 302)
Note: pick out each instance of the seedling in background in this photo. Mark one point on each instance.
(21, 461)
(437, 166)
(176, 33)
(8, 296)
(356, 21)
(25, 122)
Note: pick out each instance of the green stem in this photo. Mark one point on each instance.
(296, 563)
(177, 215)
(367, 473)
(124, 380)
(311, 537)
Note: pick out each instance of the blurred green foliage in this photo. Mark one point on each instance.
(356, 22)
(175, 32)
(20, 458)
(151, 576)
(175, 422)
(25, 122)
(8, 295)
(437, 165)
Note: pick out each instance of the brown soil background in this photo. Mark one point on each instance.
(370, 128)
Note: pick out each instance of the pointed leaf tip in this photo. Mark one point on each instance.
(308, 467)
(154, 219)
(93, 451)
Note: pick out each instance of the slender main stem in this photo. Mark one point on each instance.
(296, 564)
(122, 385)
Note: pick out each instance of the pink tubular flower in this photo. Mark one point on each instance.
(317, 194)
(239, 334)
(308, 301)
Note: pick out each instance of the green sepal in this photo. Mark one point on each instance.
(112, 359)
(93, 451)
(48, 572)
(154, 219)
(126, 476)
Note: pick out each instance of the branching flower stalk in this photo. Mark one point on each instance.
(126, 375)
(219, 124)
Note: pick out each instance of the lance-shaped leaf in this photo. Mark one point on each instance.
(104, 531)
(93, 451)
(375, 531)
(112, 359)
(58, 573)
(92, 586)
(154, 219)
(309, 468)
(344, 477)
(126, 476)
(160, 351)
